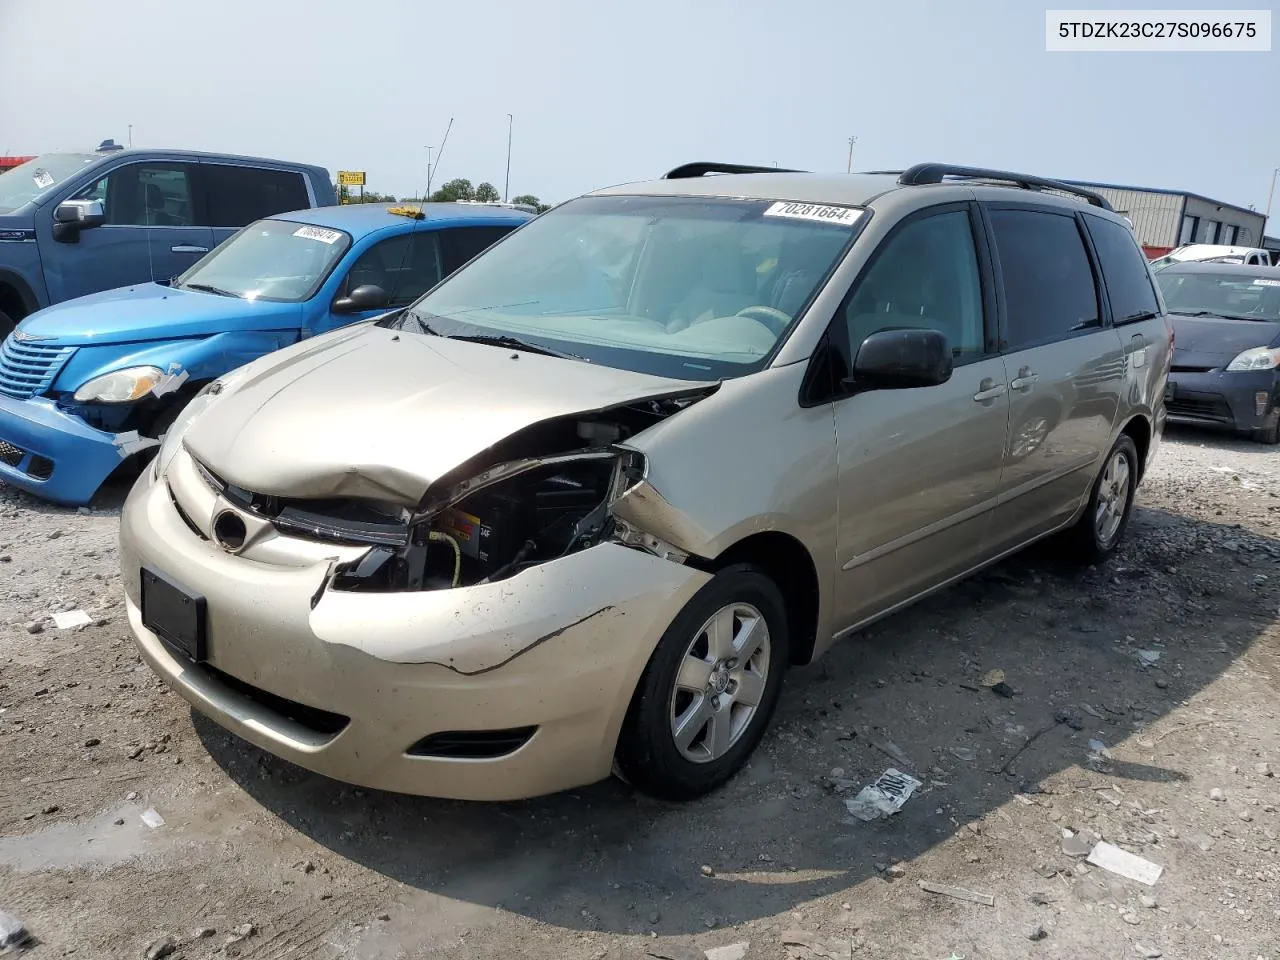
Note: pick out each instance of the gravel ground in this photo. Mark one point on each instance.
(1167, 657)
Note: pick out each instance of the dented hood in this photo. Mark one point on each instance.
(382, 414)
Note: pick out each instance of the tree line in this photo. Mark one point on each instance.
(454, 190)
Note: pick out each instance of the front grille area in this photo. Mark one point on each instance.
(28, 367)
(10, 455)
(1202, 408)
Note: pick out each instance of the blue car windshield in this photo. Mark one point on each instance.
(698, 288)
(27, 181)
(277, 260)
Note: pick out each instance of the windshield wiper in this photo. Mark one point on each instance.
(399, 322)
(206, 288)
(515, 343)
(1221, 316)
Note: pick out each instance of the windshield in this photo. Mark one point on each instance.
(275, 260)
(1224, 295)
(28, 180)
(693, 288)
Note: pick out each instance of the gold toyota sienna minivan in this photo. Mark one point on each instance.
(578, 508)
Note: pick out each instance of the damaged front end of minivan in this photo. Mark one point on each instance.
(543, 493)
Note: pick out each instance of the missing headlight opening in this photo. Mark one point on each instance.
(537, 514)
(541, 494)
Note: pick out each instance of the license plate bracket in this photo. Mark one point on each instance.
(174, 614)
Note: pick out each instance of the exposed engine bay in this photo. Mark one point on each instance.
(540, 494)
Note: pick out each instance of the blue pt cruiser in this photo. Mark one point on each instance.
(91, 384)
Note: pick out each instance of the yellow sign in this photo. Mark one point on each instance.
(351, 178)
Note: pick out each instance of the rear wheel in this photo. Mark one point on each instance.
(710, 689)
(1098, 531)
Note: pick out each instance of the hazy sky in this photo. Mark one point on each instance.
(607, 92)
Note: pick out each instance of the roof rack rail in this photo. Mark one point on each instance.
(702, 168)
(923, 173)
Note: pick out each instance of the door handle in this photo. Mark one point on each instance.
(1024, 380)
(988, 390)
(188, 248)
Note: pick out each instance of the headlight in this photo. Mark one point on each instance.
(1256, 358)
(121, 386)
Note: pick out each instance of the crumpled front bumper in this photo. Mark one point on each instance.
(76, 457)
(559, 647)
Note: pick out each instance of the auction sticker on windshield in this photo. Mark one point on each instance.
(42, 179)
(1265, 283)
(844, 216)
(318, 233)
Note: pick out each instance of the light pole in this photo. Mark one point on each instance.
(506, 186)
(849, 166)
(428, 149)
(1270, 193)
(131, 135)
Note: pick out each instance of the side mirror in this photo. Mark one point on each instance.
(72, 216)
(368, 296)
(898, 359)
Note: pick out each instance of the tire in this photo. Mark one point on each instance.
(1093, 539)
(7, 325)
(717, 731)
(1268, 435)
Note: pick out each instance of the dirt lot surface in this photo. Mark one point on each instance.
(1168, 658)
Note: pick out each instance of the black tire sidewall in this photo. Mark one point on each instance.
(647, 754)
(1269, 435)
(1124, 443)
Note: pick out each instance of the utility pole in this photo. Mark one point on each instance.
(506, 187)
(849, 166)
(428, 149)
(131, 135)
(1270, 193)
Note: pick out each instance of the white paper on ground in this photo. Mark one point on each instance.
(1112, 858)
(71, 618)
(152, 818)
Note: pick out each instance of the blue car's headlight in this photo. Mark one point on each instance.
(121, 386)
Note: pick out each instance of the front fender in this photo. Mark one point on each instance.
(194, 359)
(20, 270)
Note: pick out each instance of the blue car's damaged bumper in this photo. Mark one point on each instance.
(53, 454)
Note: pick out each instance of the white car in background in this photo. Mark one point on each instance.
(1214, 253)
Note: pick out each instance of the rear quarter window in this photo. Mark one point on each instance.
(1124, 271)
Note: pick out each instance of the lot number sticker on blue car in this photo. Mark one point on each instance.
(843, 216)
(1264, 283)
(318, 233)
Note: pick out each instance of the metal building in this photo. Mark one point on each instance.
(1164, 219)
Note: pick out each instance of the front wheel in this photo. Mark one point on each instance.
(709, 690)
(1098, 531)
(1269, 434)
